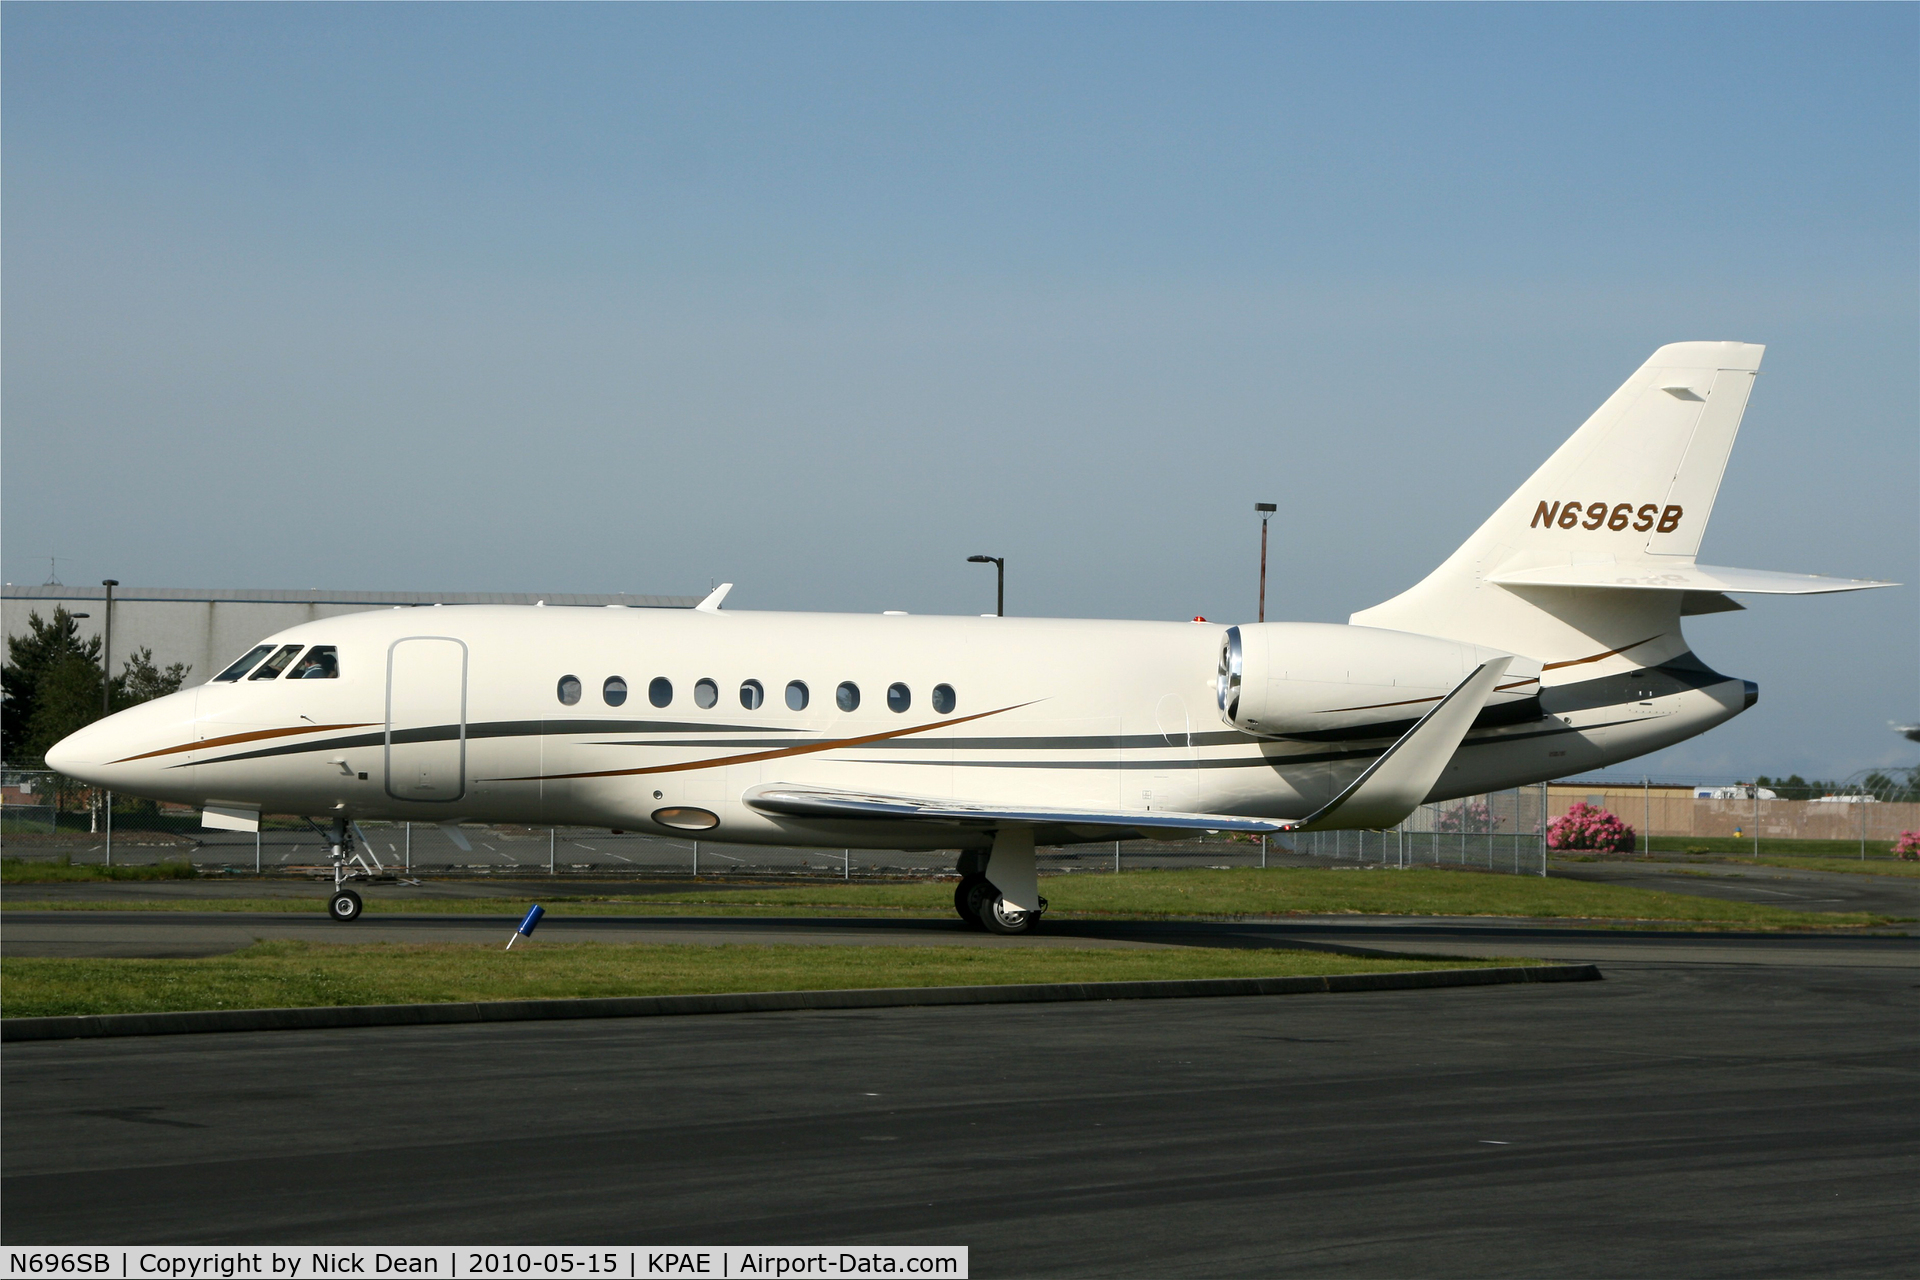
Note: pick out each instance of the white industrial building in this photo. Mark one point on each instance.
(207, 629)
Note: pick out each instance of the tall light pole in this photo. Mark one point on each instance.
(1000, 593)
(106, 651)
(1266, 509)
(106, 690)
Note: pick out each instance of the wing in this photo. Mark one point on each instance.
(1083, 824)
(1390, 789)
(1394, 785)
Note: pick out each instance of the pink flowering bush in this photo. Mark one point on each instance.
(1907, 846)
(1471, 817)
(1585, 827)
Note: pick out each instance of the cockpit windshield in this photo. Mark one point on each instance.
(321, 663)
(245, 664)
(273, 666)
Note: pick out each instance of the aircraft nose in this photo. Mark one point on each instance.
(1753, 693)
(110, 753)
(78, 755)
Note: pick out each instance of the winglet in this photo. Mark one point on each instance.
(712, 603)
(1394, 785)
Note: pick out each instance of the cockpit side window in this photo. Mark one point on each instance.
(321, 663)
(272, 667)
(245, 664)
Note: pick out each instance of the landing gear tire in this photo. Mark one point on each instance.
(969, 896)
(997, 915)
(344, 906)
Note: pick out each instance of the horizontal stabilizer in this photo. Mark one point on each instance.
(1394, 785)
(816, 802)
(1680, 576)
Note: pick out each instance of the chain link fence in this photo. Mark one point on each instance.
(1498, 831)
(43, 815)
(46, 816)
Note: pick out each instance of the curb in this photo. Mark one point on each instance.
(88, 1026)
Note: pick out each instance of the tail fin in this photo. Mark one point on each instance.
(1633, 486)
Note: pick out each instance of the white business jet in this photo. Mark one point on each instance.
(1550, 643)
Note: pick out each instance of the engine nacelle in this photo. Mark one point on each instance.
(1287, 679)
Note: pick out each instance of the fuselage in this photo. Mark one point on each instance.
(610, 717)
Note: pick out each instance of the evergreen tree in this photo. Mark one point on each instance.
(141, 681)
(50, 686)
(52, 656)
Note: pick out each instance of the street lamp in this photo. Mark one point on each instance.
(1000, 594)
(106, 650)
(1266, 509)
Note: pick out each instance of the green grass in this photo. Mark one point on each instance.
(48, 871)
(1421, 891)
(300, 974)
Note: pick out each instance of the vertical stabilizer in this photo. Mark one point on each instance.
(1634, 485)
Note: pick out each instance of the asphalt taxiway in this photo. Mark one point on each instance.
(1724, 1103)
(1697, 1119)
(1795, 888)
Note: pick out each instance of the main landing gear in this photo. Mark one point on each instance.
(982, 903)
(971, 895)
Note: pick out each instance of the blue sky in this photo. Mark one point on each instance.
(822, 299)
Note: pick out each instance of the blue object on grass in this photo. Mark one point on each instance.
(528, 925)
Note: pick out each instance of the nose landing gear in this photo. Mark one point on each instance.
(349, 864)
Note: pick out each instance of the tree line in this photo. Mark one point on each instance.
(52, 683)
(1887, 785)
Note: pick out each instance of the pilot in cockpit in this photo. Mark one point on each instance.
(320, 663)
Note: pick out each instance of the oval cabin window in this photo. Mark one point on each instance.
(847, 696)
(943, 699)
(569, 690)
(796, 696)
(752, 694)
(899, 697)
(660, 692)
(614, 691)
(705, 693)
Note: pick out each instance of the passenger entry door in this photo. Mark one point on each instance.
(427, 719)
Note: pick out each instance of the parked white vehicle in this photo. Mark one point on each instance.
(1732, 793)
